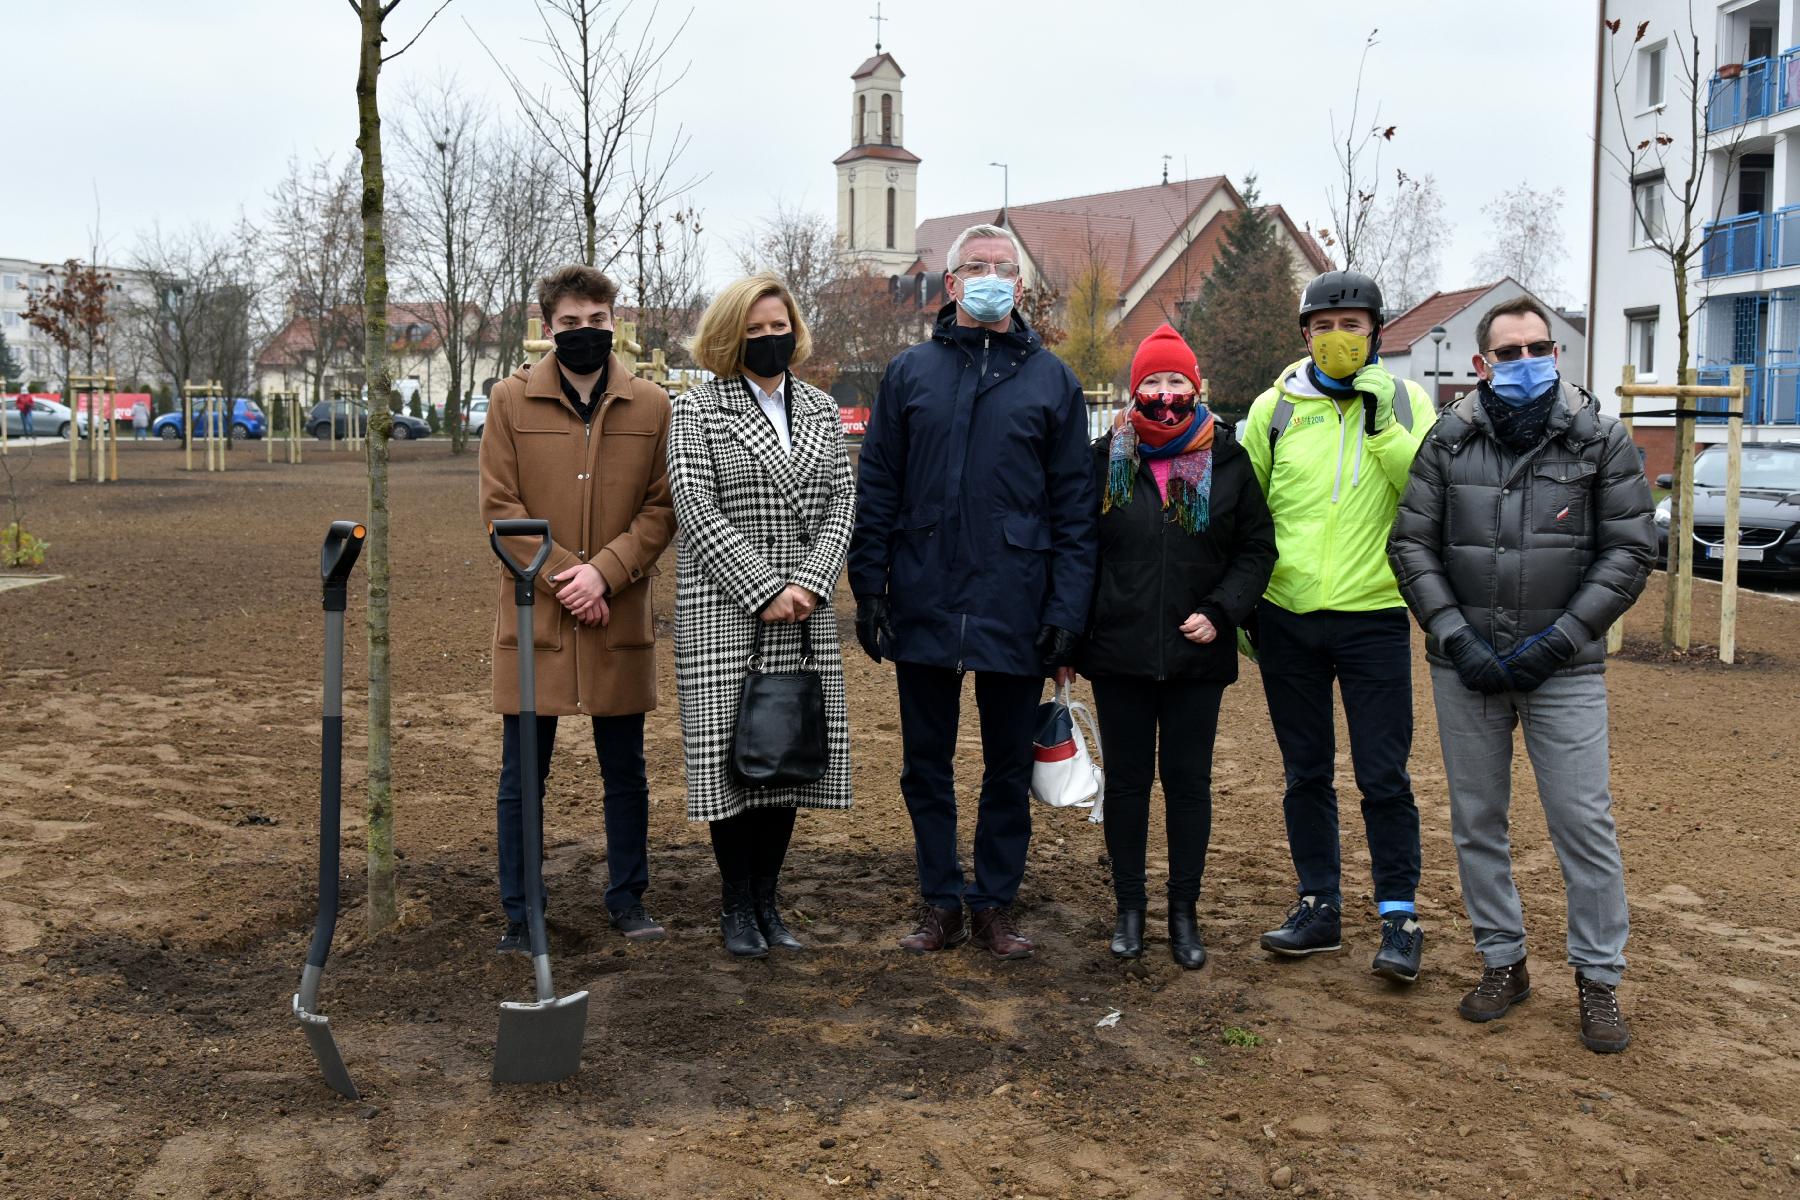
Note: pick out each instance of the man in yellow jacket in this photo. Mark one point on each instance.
(1332, 442)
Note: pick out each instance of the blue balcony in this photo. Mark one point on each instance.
(1748, 96)
(1737, 245)
(1774, 397)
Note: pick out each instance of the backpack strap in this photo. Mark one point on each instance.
(1278, 423)
(1403, 409)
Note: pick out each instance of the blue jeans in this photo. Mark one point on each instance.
(25, 429)
(1370, 656)
(619, 743)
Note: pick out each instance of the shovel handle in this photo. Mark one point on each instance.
(523, 576)
(343, 544)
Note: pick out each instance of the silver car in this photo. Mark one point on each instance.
(477, 415)
(48, 419)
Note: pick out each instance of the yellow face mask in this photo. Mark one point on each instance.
(1338, 354)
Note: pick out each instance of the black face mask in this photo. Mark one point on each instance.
(769, 355)
(583, 351)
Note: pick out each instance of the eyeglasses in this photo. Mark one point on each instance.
(975, 270)
(1529, 349)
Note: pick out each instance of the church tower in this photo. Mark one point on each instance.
(877, 178)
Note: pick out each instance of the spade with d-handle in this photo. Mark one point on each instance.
(539, 1041)
(343, 543)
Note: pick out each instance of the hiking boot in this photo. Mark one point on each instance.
(1313, 926)
(1402, 945)
(1128, 934)
(638, 925)
(1185, 946)
(994, 929)
(1603, 1027)
(939, 929)
(1500, 988)
(768, 916)
(516, 939)
(737, 922)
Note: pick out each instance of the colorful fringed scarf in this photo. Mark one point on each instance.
(1188, 446)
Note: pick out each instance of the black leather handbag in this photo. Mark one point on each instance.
(780, 740)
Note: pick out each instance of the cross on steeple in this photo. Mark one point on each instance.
(878, 19)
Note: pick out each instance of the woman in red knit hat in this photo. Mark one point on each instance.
(1186, 546)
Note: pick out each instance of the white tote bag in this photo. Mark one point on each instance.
(1063, 773)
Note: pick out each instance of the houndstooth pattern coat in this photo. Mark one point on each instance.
(753, 518)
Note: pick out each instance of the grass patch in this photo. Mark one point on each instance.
(1233, 1036)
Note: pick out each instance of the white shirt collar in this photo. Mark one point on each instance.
(779, 394)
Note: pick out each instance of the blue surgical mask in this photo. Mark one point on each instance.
(987, 298)
(1523, 380)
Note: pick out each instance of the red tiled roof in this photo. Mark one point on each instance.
(877, 150)
(869, 65)
(1416, 322)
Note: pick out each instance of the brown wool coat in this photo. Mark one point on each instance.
(605, 492)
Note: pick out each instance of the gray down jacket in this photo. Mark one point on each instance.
(1513, 544)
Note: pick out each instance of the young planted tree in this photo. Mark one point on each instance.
(1242, 325)
(1527, 241)
(1672, 201)
(73, 310)
(1358, 150)
(371, 16)
(529, 230)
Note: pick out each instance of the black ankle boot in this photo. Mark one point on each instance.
(1128, 933)
(737, 921)
(768, 917)
(1185, 946)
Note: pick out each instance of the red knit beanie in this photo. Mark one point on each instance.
(1164, 350)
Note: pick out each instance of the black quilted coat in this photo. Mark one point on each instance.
(1519, 542)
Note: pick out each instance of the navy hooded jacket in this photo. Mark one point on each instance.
(975, 500)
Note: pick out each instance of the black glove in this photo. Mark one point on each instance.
(1537, 658)
(1056, 648)
(872, 625)
(1476, 664)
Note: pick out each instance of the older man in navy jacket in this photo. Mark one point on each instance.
(974, 551)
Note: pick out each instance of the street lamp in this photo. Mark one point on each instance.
(1005, 190)
(1438, 334)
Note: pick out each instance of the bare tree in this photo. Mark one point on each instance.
(1405, 240)
(371, 17)
(668, 272)
(443, 248)
(1671, 199)
(196, 310)
(315, 251)
(1527, 240)
(529, 232)
(597, 116)
(1358, 150)
(74, 310)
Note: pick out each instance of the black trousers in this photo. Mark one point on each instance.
(619, 744)
(1135, 714)
(930, 711)
(1370, 656)
(753, 844)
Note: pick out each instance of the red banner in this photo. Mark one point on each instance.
(855, 421)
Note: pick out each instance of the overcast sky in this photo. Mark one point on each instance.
(184, 112)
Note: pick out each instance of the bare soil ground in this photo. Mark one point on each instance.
(157, 819)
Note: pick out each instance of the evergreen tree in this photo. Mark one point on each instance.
(10, 369)
(1243, 326)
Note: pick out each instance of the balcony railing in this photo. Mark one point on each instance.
(1774, 392)
(1751, 242)
(1762, 86)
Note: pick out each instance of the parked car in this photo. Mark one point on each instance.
(247, 421)
(319, 422)
(1768, 510)
(48, 419)
(477, 415)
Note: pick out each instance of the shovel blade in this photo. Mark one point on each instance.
(540, 1042)
(324, 1047)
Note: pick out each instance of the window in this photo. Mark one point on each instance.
(862, 121)
(10, 319)
(890, 220)
(1651, 75)
(852, 234)
(1647, 211)
(1641, 343)
(9, 283)
(887, 120)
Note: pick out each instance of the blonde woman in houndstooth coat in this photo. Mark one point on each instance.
(764, 499)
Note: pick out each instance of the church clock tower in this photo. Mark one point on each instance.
(877, 178)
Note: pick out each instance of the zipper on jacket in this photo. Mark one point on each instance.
(1162, 586)
(1337, 481)
(962, 640)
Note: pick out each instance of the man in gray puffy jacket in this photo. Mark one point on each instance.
(1524, 532)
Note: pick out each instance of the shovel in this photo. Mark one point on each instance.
(540, 1041)
(343, 542)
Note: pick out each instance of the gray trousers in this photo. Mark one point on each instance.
(1565, 735)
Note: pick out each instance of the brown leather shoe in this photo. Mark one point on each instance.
(994, 930)
(939, 929)
(1500, 988)
(1603, 1027)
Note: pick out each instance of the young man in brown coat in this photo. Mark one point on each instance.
(574, 439)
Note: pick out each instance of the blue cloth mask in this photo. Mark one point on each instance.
(987, 298)
(1523, 380)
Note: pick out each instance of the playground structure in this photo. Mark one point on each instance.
(1687, 395)
(100, 430)
(288, 405)
(215, 415)
(344, 400)
(653, 367)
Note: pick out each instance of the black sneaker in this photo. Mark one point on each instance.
(1402, 945)
(516, 940)
(1312, 927)
(638, 925)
